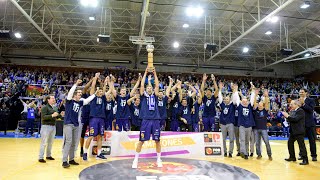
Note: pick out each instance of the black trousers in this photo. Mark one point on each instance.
(312, 136)
(302, 146)
(4, 125)
(168, 124)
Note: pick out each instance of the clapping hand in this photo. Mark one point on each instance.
(285, 114)
(55, 114)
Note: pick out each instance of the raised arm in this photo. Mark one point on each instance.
(255, 103)
(156, 83)
(73, 89)
(216, 90)
(106, 82)
(179, 91)
(93, 84)
(129, 102)
(204, 79)
(199, 97)
(235, 95)
(143, 82)
(111, 86)
(135, 86)
(169, 87)
(253, 94)
(194, 91)
(174, 87)
(266, 100)
(220, 98)
(86, 87)
(22, 101)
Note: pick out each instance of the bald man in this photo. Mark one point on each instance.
(297, 131)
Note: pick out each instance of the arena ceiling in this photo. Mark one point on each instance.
(61, 29)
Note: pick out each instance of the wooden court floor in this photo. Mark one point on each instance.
(18, 160)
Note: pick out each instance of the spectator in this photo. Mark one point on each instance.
(4, 116)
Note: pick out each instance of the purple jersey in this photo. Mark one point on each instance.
(123, 111)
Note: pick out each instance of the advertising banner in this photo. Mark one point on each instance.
(173, 144)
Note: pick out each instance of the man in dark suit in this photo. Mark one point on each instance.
(297, 131)
(308, 105)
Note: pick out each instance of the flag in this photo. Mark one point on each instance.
(34, 90)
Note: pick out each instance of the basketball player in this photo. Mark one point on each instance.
(135, 112)
(109, 112)
(85, 115)
(162, 104)
(123, 111)
(109, 105)
(71, 123)
(195, 112)
(209, 101)
(174, 105)
(150, 118)
(97, 117)
(226, 120)
(185, 109)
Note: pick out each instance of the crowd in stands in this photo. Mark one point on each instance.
(15, 81)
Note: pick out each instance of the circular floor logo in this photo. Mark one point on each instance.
(173, 169)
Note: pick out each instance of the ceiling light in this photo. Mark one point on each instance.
(17, 35)
(176, 44)
(185, 25)
(92, 18)
(307, 55)
(268, 33)
(91, 3)
(198, 11)
(245, 49)
(94, 3)
(305, 5)
(84, 2)
(273, 19)
(192, 11)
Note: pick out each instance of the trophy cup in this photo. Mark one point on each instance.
(150, 49)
